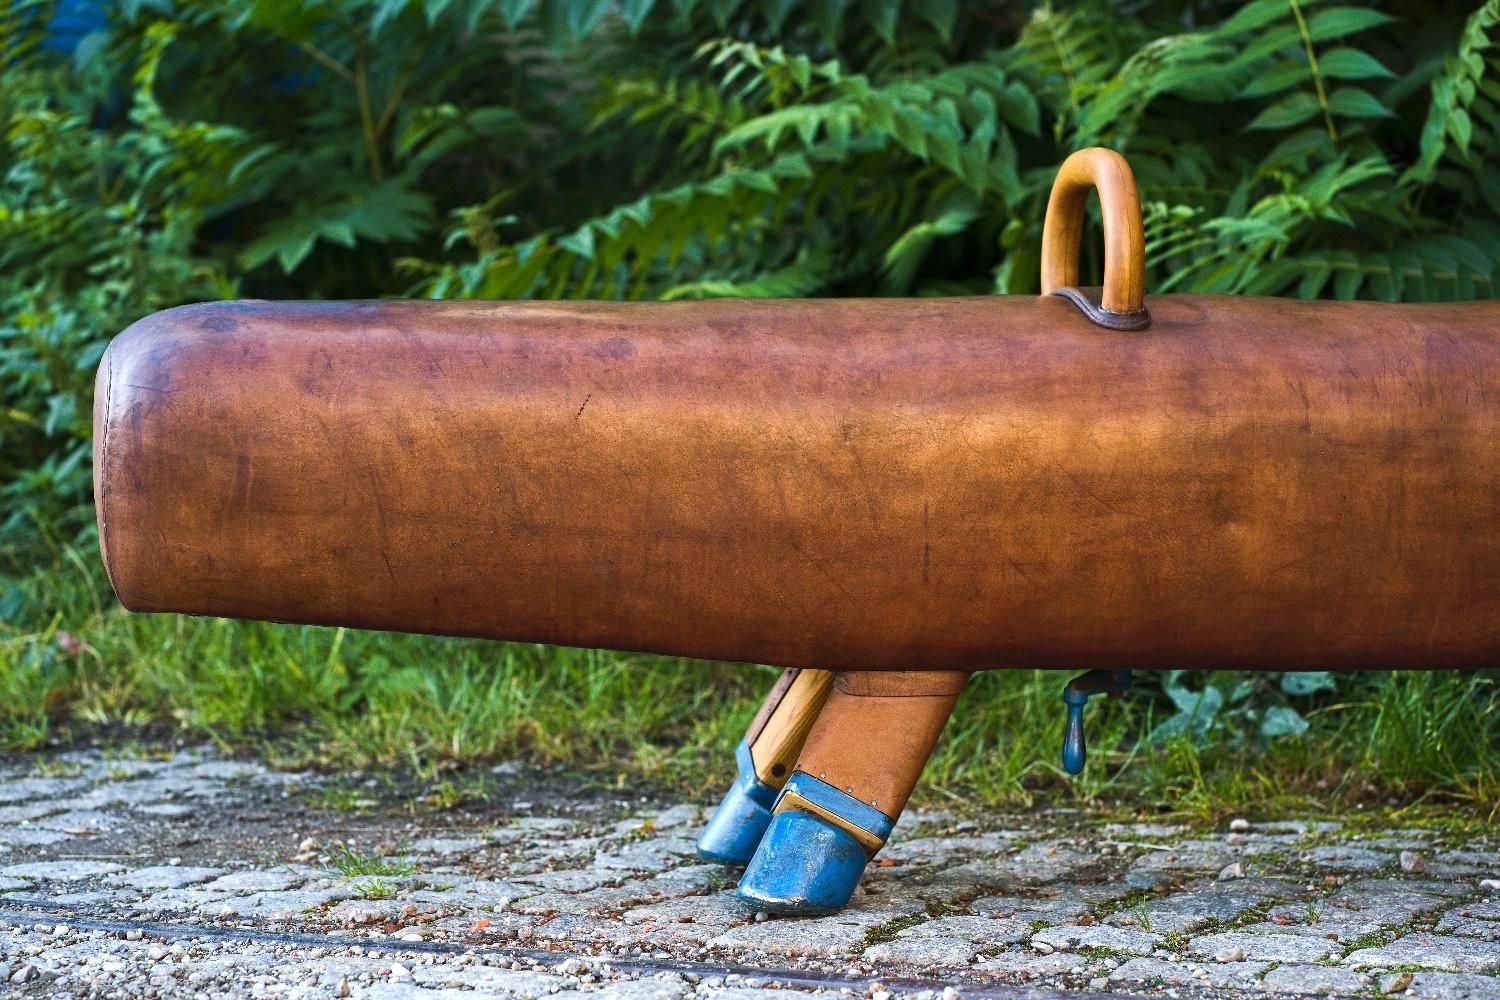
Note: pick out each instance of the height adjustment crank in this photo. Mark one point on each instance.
(1113, 683)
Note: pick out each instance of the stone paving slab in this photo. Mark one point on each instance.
(185, 874)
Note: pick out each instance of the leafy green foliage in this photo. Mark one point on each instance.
(96, 228)
(679, 149)
(933, 180)
(1238, 707)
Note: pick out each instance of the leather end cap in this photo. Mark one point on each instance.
(102, 388)
(804, 867)
(137, 359)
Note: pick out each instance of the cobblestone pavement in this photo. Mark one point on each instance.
(195, 876)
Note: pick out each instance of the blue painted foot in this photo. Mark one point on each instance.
(805, 867)
(736, 828)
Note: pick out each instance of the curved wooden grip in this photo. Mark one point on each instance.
(1124, 240)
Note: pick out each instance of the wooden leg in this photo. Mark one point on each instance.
(858, 767)
(765, 757)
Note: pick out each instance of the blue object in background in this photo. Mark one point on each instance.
(1075, 696)
(72, 21)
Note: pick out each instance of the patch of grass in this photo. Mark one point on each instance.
(1370, 939)
(374, 888)
(888, 930)
(450, 793)
(349, 862)
(337, 697)
(71, 657)
(341, 798)
(1131, 900)
(49, 767)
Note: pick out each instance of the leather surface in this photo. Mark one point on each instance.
(855, 484)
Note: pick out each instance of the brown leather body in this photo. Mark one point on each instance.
(946, 484)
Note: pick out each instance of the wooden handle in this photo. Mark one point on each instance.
(1124, 240)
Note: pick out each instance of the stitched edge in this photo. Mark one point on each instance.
(891, 683)
(99, 473)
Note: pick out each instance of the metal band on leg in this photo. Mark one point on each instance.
(864, 823)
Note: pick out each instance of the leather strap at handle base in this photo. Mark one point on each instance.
(1087, 301)
(1121, 301)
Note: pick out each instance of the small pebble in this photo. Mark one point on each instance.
(1235, 954)
(1239, 825)
(1398, 983)
(1413, 863)
(1232, 871)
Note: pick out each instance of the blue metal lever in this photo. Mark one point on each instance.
(1080, 689)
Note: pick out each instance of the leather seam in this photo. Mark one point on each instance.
(946, 688)
(105, 492)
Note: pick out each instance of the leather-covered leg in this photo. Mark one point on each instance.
(858, 767)
(765, 758)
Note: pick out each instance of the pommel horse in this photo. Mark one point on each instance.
(880, 495)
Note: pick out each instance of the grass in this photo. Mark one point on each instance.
(71, 659)
(374, 888)
(349, 862)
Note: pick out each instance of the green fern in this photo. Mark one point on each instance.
(1459, 95)
(570, 22)
(390, 212)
